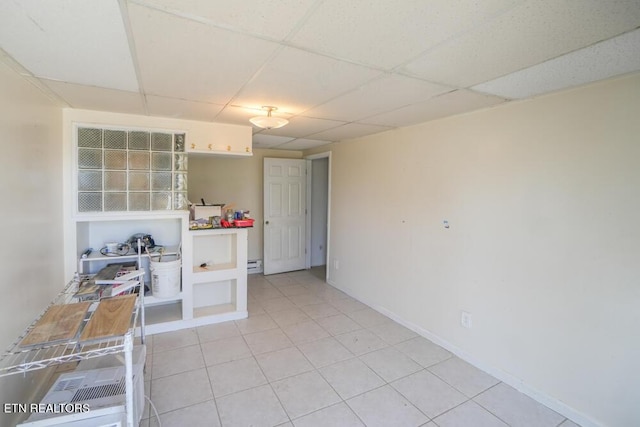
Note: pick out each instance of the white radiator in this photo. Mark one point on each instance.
(254, 266)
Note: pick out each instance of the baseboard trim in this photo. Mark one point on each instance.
(552, 403)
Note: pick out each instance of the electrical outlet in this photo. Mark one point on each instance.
(465, 320)
(336, 264)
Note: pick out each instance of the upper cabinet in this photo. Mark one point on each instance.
(221, 140)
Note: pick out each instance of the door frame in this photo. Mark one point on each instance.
(326, 154)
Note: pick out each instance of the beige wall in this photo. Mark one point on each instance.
(543, 201)
(31, 194)
(234, 181)
(542, 197)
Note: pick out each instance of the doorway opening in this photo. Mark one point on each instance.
(297, 199)
(318, 208)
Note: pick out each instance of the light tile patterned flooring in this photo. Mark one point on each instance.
(310, 355)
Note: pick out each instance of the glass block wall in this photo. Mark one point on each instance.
(126, 170)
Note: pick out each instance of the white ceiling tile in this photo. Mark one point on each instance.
(96, 98)
(349, 131)
(619, 55)
(296, 80)
(381, 95)
(240, 115)
(272, 19)
(457, 102)
(265, 141)
(75, 41)
(302, 144)
(221, 61)
(387, 33)
(182, 109)
(189, 60)
(300, 127)
(532, 33)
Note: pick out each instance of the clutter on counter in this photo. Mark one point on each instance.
(218, 215)
(203, 224)
(232, 219)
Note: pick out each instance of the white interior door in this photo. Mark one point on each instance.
(284, 215)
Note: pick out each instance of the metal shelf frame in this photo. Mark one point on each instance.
(20, 360)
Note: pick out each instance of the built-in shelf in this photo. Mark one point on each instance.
(150, 300)
(155, 254)
(214, 310)
(218, 290)
(164, 313)
(219, 153)
(166, 228)
(109, 210)
(214, 293)
(215, 267)
(93, 232)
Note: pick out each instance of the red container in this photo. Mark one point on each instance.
(247, 222)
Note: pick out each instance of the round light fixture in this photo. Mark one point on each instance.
(268, 121)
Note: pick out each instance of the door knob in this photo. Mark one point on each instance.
(266, 222)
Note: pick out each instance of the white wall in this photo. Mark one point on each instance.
(543, 199)
(237, 182)
(31, 194)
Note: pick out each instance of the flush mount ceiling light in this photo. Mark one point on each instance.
(268, 121)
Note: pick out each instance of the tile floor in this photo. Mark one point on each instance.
(310, 355)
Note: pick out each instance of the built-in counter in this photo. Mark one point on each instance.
(215, 275)
(214, 265)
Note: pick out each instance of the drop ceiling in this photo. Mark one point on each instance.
(335, 69)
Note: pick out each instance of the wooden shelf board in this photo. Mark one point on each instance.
(59, 323)
(112, 318)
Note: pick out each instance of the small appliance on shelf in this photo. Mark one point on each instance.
(205, 211)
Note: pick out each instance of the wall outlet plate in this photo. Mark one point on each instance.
(465, 320)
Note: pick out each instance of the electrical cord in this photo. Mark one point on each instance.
(155, 411)
(122, 251)
(126, 250)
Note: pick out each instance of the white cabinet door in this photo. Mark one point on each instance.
(284, 215)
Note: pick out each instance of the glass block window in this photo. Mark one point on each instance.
(121, 170)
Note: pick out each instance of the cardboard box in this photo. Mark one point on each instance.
(205, 212)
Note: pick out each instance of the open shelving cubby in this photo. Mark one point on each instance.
(213, 298)
(214, 251)
(167, 230)
(218, 275)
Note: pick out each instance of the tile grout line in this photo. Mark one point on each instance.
(388, 345)
(485, 408)
(206, 369)
(271, 387)
(317, 369)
